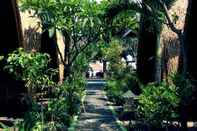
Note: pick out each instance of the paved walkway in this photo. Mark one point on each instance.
(96, 115)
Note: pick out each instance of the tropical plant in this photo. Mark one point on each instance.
(32, 69)
(159, 103)
(117, 86)
(152, 16)
(51, 117)
(112, 54)
(114, 92)
(63, 102)
(120, 78)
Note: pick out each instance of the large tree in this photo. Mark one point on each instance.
(190, 47)
(78, 21)
(147, 46)
(189, 39)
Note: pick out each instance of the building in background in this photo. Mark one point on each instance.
(95, 70)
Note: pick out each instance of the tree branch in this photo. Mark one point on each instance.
(77, 53)
(180, 34)
(170, 23)
(61, 57)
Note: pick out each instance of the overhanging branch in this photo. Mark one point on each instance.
(170, 22)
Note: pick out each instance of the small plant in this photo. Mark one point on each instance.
(51, 117)
(114, 91)
(118, 85)
(59, 111)
(112, 53)
(158, 103)
(32, 68)
(184, 87)
(75, 88)
(57, 114)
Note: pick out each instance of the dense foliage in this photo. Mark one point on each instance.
(51, 106)
(32, 69)
(120, 76)
(104, 31)
(159, 103)
(79, 21)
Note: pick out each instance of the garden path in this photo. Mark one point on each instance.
(96, 115)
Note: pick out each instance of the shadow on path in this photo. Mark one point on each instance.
(96, 115)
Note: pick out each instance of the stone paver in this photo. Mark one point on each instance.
(96, 115)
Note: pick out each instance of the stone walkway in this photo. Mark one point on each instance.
(96, 115)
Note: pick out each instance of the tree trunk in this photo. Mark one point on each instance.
(158, 60)
(189, 39)
(146, 62)
(104, 68)
(189, 44)
(67, 42)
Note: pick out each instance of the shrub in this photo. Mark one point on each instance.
(158, 103)
(112, 53)
(32, 68)
(184, 87)
(51, 117)
(114, 91)
(119, 85)
(74, 90)
(57, 112)
(121, 78)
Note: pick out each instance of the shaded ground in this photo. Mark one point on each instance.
(96, 115)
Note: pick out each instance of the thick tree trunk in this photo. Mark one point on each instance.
(189, 39)
(190, 46)
(146, 59)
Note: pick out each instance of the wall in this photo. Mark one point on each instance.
(31, 27)
(33, 33)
